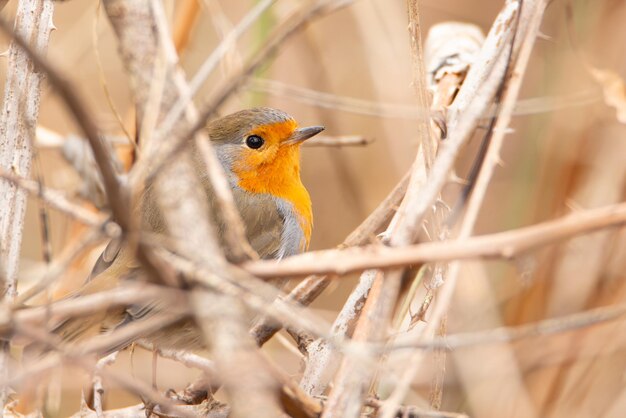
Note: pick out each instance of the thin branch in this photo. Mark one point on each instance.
(82, 115)
(528, 106)
(20, 110)
(89, 304)
(59, 265)
(57, 200)
(559, 325)
(356, 372)
(185, 358)
(243, 371)
(259, 296)
(338, 141)
(320, 352)
(508, 245)
(336, 102)
(98, 388)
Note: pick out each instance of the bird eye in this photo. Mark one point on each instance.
(254, 141)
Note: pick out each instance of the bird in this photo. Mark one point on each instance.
(259, 150)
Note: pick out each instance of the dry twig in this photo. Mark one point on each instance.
(525, 28)
(20, 110)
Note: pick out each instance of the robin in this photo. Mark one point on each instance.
(259, 150)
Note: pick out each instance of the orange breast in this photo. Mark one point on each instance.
(280, 177)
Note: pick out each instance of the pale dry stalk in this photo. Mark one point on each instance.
(17, 128)
(356, 371)
(98, 388)
(20, 110)
(526, 27)
(320, 365)
(252, 390)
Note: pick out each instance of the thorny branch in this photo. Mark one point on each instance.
(20, 111)
(507, 245)
(356, 372)
(525, 28)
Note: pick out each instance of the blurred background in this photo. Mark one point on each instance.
(566, 151)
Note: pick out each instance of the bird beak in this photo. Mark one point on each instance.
(302, 134)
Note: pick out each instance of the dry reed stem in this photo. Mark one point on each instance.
(501, 356)
(186, 17)
(448, 64)
(17, 125)
(480, 94)
(320, 365)
(451, 50)
(20, 110)
(468, 108)
(251, 390)
(526, 27)
(591, 360)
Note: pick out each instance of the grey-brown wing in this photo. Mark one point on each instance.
(263, 221)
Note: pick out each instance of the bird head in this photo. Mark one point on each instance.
(260, 150)
(260, 142)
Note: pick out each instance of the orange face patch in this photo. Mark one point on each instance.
(274, 169)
